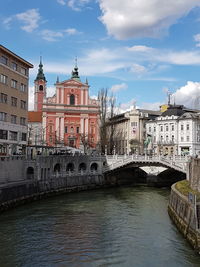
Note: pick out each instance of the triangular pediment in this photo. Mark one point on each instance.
(72, 82)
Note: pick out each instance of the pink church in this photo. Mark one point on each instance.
(70, 117)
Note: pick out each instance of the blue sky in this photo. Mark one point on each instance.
(138, 49)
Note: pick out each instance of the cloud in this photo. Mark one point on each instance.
(141, 18)
(30, 18)
(118, 87)
(151, 106)
(75, 5)
(62, 2)
(53, 36)
(197, 39)
(188, 95)
(138, 69)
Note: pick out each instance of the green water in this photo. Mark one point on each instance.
(126, 226)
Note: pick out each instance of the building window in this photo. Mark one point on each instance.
(188, 127)
(13, 136)
(172, 127)
(77, 130)
(134, 124)
(13, 119)
(182, 139)
(65, 129)
(50, 139)
(3, 79)
(3, 98)
(41, 88)
(172, 138)
(149, 129)
(14, 84)
(161, 128)
(23, 87)
(23, 71)
(72, 99)
(23, 121)
(23, 136)
(3, 116)
(188, 139)
(4, 60)
(154, 128)
(167, 128)
(3, 134)
(182, 127)
(167, 138)
(72, 130)
(14, 66)
(13, 101)
(23, 104)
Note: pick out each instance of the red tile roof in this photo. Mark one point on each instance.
(35, 116)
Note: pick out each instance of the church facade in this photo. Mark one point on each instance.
(70, 117)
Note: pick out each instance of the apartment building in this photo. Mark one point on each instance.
(14, 77)
(129, 131)
(175, 132)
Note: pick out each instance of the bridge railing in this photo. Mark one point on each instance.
(116, 161)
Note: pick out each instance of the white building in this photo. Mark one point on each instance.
(130, 130)
(175, 132)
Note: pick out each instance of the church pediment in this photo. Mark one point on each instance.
(72, 82)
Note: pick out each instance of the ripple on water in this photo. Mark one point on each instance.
(113, 227)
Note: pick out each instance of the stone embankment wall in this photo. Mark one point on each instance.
(184, 212)
(194, 174)
(18, 193)
(23, 180)
(11, 169)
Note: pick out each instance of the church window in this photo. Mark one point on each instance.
(72, 99)
(65, 129)
(41, 87)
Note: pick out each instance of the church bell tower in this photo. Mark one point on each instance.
(40, 88)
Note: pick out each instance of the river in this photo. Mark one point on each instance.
(127, 226)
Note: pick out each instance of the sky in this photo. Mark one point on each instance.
(140, 50)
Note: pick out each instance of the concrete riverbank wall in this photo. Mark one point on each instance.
(183, 214)
(184, 205)
(14, 194)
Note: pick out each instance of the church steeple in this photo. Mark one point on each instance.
(40, 88)
(40, 75)
(75, 75)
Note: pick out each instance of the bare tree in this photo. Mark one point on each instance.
(106, 112)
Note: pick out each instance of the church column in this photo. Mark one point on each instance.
(57, 130)
(62, 129)
(86, 126)
(82, 125)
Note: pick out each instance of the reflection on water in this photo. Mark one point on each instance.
(112, 227)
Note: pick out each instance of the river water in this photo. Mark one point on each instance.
(127, 226)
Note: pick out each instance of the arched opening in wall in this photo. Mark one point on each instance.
(94, 166)
(30, 173)
(82, 167)
(41, 88)
(72, 100)
(57, 167)
(70, 167)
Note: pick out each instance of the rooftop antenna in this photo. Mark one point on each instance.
(76, 61)
(169, 94)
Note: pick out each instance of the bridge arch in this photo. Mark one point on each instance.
(57, 167)
(30, 173)
(70, 167)
(94, 166)
(82, 167)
